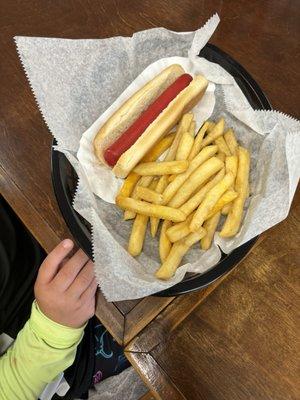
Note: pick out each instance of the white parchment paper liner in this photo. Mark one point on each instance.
(75, 81)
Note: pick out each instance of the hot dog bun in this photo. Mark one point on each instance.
(166, 120)
(133, 108)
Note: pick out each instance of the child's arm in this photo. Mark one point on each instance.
(65, 293)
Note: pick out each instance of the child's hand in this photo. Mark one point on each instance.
(65, 287)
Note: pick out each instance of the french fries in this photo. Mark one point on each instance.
(178, 250)
(223, 148)
(191, 205)
(159, 148)
(226, 198)
(234, 218)
(192, 128)
(186, 143)
(173, 186)
(152, 210)
(198, 140)
(226, 209)
(231, 141)
(180, 230)
(221, 156)
(210, 225)
(149, 195)
(161, 168)
(216, 132)
(209, 201)
(144, 181)
(138, 232)
(199, 176)
(211, 126)
(164, 242)
(129, 184)
(183, 126)
(231, 164)
(137, 235)
(160, 187)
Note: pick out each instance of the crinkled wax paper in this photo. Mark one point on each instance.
(79, 83)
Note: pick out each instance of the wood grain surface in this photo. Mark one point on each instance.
(162, 325)
(241, 343)
(154, 376)
(147, 396)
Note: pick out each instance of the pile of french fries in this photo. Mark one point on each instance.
(201, 178)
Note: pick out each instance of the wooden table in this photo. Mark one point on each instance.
(241, 342)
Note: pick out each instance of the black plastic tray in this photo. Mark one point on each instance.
(64, 180)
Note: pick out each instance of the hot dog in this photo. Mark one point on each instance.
(145, 117)
(130, 136)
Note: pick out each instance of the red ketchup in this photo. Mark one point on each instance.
(131, 135)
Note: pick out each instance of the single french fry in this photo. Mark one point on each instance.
(226, 209)
(138, 232)
(231, 165)
(159, 148)
(210, 225)
(149, 195)
(221, 156)
(225, 199)
(196, 179)
(194, 237)
(192, 128)
(137, 235)
(231, 141)
(216, 132)
(234, 218)
(198, 140)
(177, 252)
(160, 187)
(209, 201)
(128, 184)
(161, 168)
(173, 186)
(211, 126)
(223, 148)
(164, 242)
(152, 210)
(180, 230)
(185, 146)
(183, 126)
(128, 215)
(191, 205)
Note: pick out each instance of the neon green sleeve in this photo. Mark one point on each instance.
(41, 351)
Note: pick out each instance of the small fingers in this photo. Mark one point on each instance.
(52, 262)
(68, 273)
(89, 292)
(83, 280)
